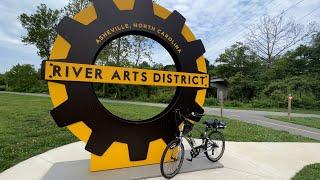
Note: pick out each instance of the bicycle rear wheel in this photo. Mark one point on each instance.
(214, 146)
(172, 159)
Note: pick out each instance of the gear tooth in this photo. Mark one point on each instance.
(145, 6)
(62, 116)
(96, 145)
(187, 105)
(194, 50)
(195, 108)
(68, 28)
(141, 154)
(100, 7)
(176, 21)
(197, 46)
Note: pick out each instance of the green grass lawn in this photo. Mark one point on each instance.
(305, 121)
(309, 172)
(133, 112)
(26, 128)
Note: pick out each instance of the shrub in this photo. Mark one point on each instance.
(241, 88)
(211, 101)
(22, 78)
(162, 98)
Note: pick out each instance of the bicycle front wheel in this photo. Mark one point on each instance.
(172, 159)
(214, 146)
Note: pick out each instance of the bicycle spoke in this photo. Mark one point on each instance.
(214, 146)
(172, 160)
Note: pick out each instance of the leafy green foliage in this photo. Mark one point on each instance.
(75, 6)
(253, 81)
(242, 87)
(260, 86)
(22, 78)
(2, 82)
(237, 59)
(2, 79)
(304, 89)
(40, 28)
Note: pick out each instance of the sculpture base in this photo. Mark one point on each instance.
(79, 170)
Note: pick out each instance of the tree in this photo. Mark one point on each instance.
(2, 79)
(115, 53)
(75, 6)
(22, 78)
(314, 55)
(242, 88)
(304, 60)
(305, 90)
(156, 66)
(141, 49)
(275, 35)
(237, 59)
(40, 28)
(169, 67)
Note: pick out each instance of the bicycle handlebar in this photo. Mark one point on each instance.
(192, 114)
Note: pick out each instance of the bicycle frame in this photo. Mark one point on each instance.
(195, 150)
(210, 138)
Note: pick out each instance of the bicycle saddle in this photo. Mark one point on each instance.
(209, 122)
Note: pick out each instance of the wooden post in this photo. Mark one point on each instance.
(221, 103)
(289, 106)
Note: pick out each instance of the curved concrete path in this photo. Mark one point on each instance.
(258, 117)
(242, 160)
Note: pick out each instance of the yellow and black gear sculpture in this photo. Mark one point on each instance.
(113, 141)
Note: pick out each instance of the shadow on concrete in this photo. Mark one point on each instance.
(78, 170)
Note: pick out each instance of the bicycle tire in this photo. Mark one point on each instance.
(170, 146)
(221, 138)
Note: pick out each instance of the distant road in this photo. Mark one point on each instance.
(249, 116)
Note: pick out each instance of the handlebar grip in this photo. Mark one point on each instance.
(194, 114)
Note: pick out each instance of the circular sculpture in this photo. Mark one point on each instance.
(76, 104)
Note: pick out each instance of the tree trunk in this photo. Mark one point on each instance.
(139, 53)
(118, 51)
(104, 90)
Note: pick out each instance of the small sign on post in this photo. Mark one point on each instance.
(221, 103)
(289, 106)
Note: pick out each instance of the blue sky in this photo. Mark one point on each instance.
(218, 23)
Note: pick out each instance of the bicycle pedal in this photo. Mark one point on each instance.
(189, 159)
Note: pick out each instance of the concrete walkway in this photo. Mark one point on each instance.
(258, 117)
(242, 160)
(249, 116)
